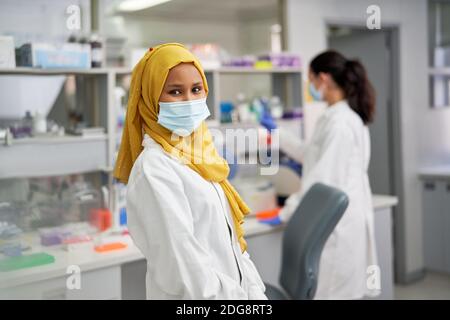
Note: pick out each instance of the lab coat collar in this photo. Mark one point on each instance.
(148, 142)
(336, 107)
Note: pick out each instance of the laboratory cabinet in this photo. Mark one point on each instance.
(97, 284)
(436, 223)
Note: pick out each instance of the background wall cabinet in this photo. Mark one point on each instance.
(436, 222)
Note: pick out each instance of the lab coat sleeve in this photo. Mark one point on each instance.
(331, 166)
(291, 145)
(181, 266)
(256, 287)
(332, 163)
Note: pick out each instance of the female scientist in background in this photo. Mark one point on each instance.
(338, 155)
(183, 214)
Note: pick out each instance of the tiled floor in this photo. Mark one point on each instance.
(433, 286)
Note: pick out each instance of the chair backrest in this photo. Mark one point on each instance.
(305, 235)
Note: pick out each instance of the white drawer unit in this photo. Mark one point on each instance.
(98, 284)
(436, 223)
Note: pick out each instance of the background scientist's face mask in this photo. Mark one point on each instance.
(183, 117)
(316, 94)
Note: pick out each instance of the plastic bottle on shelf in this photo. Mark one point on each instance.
(39, 123)
(243, 109)
(97, 55)
(27, 123)
(257, 109)
(276, 107)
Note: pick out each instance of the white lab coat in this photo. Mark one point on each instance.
(182, 223)
(338, 155)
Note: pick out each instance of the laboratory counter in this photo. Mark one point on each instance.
(435, 172)
(102, 274)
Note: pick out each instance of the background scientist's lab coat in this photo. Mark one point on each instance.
(338, 155)
(182, 224)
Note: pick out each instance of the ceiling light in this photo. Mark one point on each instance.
(135, 5)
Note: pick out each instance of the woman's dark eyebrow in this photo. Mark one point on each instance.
(175, 85)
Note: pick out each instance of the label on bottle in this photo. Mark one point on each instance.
(97, 55)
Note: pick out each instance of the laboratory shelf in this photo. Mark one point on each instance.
(227, 70)
(250, 70)
(62, 71)
(444, 71)
(49, 156)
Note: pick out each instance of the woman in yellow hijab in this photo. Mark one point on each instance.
(183, 214)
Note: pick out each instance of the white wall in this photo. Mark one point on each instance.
(39, 20)
(142, 31)
(237, 37)
(424, 132)
(254, 35)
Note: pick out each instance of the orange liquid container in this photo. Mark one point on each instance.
(267, 214)
(101, 218)
(110, 247)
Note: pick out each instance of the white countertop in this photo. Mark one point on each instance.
(382, 201)
(436, 172)
(87, 259)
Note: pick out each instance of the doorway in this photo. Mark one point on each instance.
(378, 51)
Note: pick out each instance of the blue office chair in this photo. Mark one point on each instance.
(304, 238)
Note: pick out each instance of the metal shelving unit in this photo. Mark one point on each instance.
(32, 157)
(285, 83)
(439, 87)
(56, 155)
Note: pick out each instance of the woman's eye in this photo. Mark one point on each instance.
(175, 92)
(196, 89)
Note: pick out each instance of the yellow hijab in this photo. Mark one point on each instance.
(197, 150)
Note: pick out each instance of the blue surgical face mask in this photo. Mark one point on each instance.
(183, 117)
(315, 94)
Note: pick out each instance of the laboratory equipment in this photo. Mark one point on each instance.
(97, 52)
(258, 193)
(78, 199)
(26, 261)
(87, 132)
(10, 244)
(243, 109)
(123, 217)
(118, 206)
(9, 230)
(286, 181)
(101, 218)
(23, 127)
(67, 234)
(47, 55)
(269, 217)
(226, 112)
(11, 249)
(52, 236)
(281, 60)
(276, 107)
(39, 123)
(209, 54)
(247, 61)
(28, 93)
(113, 246)
(7, 52)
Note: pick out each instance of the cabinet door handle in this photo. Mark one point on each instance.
(430, 186)
(448, 187)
